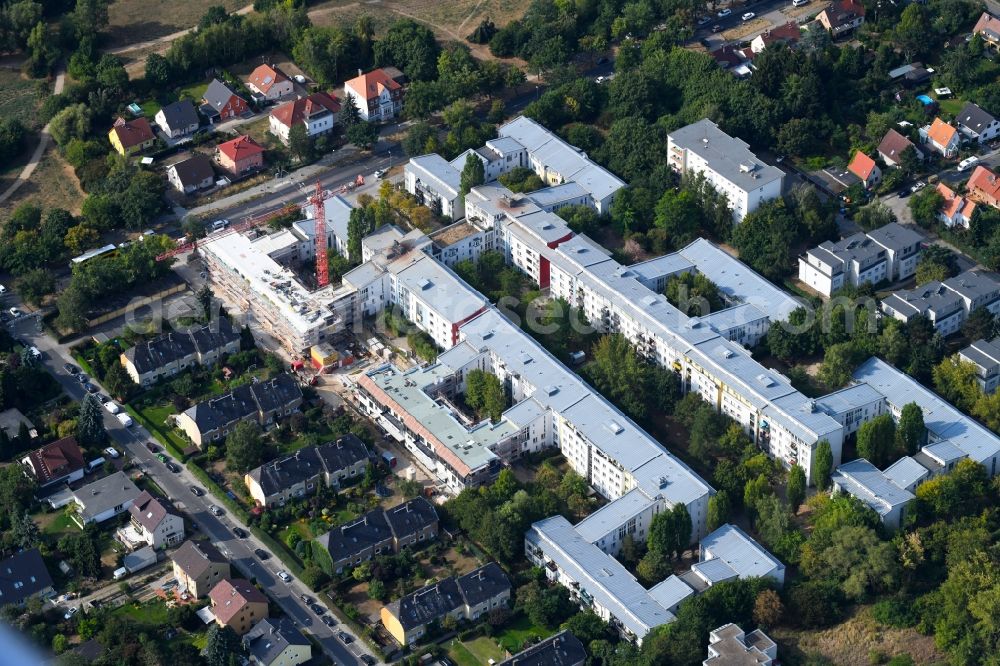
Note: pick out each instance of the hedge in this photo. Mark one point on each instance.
(286, 556)
(156, 431)
(217, 490)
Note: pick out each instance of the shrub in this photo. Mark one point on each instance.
(896, 612)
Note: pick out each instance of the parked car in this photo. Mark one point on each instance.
(724, 13)
(173, 468)
(704, 19)
(90, 388)
(316, 608)
(968, 163)
(162, 458)
(261, 553)
(3, 290)
(716, 28)
(15, 313)
(216, 511)
(306, 599)
(70, 368)
(112, 452)
(283, 575)
(917, 186)
(328, 621)
(112, 407)
(103, 398)
(368, 659)
(71, 612)
(380, 173)
(82, 378)
(344, 636)
(123, 418)
(299, 78)
(152, 447)
(240, 533)
(198, 492)
(748, 16)
(799, 3)
(35, 352)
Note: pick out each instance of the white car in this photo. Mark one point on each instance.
(112, 407)
(35, 353)
(283, 575)
(71, 612)
(112, 452)
(15, 313)
(299, 78)
(724, 13)
(704, 19)
(799, 3)
(124, 419)
(968, 163)
(748, 16)
(3, 289)
(380, 173)
(919, 185)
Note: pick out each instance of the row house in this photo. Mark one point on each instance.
(171, 353)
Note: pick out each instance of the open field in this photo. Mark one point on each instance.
(52, 185)
(131, 21)
(20, 98)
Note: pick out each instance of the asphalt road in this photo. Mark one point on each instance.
(177, 486)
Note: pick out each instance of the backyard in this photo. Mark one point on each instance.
(510, 640)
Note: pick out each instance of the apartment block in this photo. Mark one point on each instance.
(301, 473)
(985, 356)
(946, 304)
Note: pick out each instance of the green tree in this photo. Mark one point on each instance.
(718, 510)
(221, 644)
(119, 383)
(35, 285)
(90, 430)
(24, 531)
(244, 447)
(925, 205)
(955, 380)
(911, 433)
(796, 489)
(876, 440)
(376, 589)
(300, 143)
(363, 135)
(73, 122)
(473, 174)
(822, 465)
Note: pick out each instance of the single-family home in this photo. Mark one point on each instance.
(562, 649)
(103, 499)
(842, 16)
(984, 187)
(317, 112)
(131, 136)
(893, 145)
(301, 473)
(865, 169)
(731, 646)
(976, 124)
(467, 597)
(152, 523)
(178, 119)
(787, 33)
(988, 27)
(168, 354)
(985, 356)
(956, 211)
(941, 137)
(190, 175)
(24, 575)
(268, 84)
(276, 641)
(220, 103)
(60, 461)
(240, 156)
(264, 402)
(237, 604)
(376, 95)
(199, 567)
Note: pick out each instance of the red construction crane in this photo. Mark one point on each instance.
(319, 213)
(247, 223)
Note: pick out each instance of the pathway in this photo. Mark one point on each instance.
(44, 139)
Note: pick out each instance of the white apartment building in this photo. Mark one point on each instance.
(985, 356)
(946, 304)
(726, 163)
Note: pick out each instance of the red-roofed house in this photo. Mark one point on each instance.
(956, 210)
(131, 136)
(984, 187)
(788, 33)
(376, 94)
(318, 112)
(58, 462)
(941, 137)
(988, 27)
(842, 16)
(239, 156)
(268, 83)
(865, 168)
(238, 605)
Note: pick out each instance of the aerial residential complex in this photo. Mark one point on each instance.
(946, 304)
(985, 355)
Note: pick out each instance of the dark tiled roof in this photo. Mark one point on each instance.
(270, 637)
(975, 118)
(194, 170)
(276, 393)
(283, 473)
(149, 511)
(23, 575)
(245, 401)
(217, 94)
(563, 649)
(195, 557)
(484, 583)
(346, 451)
(411, 517)
(180, 114)
(427, 604)
(216, 334)
(352, 538)
(159, 352)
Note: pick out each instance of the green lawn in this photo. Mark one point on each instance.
(20, 98)
(951, 106)
(476, 652)
(62, 524)
(194, 92)
(518, 630)
(153, 614)
(153, 419)
(150, 108)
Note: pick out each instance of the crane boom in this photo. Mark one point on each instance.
(322, 265)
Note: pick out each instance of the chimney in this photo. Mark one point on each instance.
(360, 72)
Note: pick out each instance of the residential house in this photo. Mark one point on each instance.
(240, 156)
(178, 119)
(166, 355)
(947, 304)
(976, 124)
(562, 649)
(60, 461)
(941, 137)
(865, 169)
(726, 163)
(787, 33)
(988, 27)
(153, 523)
(199, 567)
(317, 112)
(466, 598)
(737, 61)
(237, 604)
(864, 481)
(268, 84)
(842, 16)
(731, 646)
(985, 356)
(380, 531)
(893, 145)
(103, 499)
(376, 95)
(436, 184)
(220, 103)
(131, 136)
(276, 641)
(264, 402)
(24, 575)
(299, 474)
(984, 187)
(956, 210)
(190, 175)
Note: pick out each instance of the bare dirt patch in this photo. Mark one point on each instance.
(133, 21)
(52, 185)
(749, 29)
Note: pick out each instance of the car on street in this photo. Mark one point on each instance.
(283, 575)
(917, 186)
(306, 599)
(70, 368)
(368, 659)
(112, 452)
(748, 16)
(71, 612)
(316, 608)
(162, 458)
(151, 447)
(90, 388)
(799, 3)
(198, 492)
(219, 225)
(112, 407)
(82, 378)
(261, 553)
(15, 313)
(968, 163)
(704, 19)
(103, 398)
(344, 636)
(240, 533)
(380, 173)
(599, 80)
(724, 13)
(299, 78)
(123, 418)
(3, 290)
(328, 621)
(216, 511)
(716, 28)
(173, 468)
